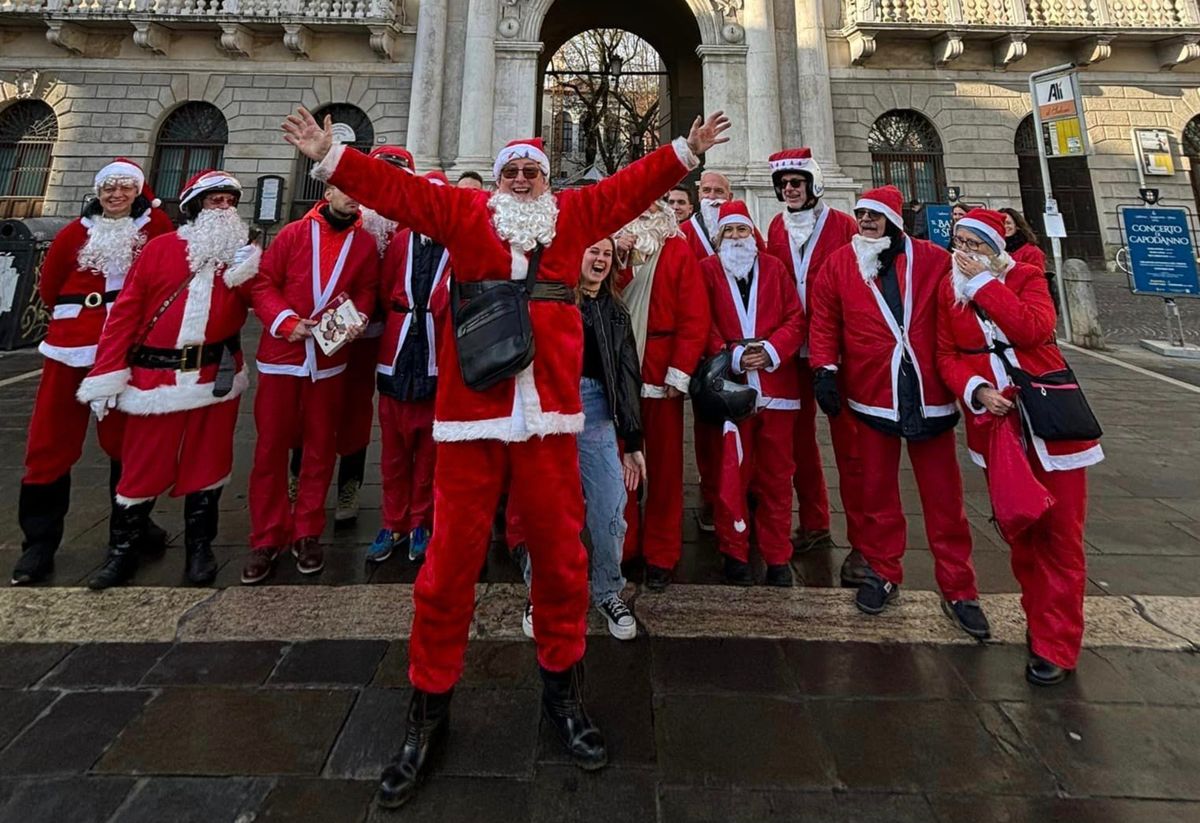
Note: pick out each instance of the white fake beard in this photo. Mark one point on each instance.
(112, 244)
(738, 256)
(867, 251)
(524, 223)
(998, 266)
(213, 237)
(650, 232)
(800, 225)
(379, 227)
(710, 212)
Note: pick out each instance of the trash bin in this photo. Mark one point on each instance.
(23, 244)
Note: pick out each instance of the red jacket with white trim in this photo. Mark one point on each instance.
(834, 229)
(700, 245)
(1020, 313)
(854, 330)
(395, 291)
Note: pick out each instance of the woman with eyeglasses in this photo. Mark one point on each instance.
(994, 307)
(611, 389)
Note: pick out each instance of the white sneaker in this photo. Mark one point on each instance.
(621, 623)
(527, 619)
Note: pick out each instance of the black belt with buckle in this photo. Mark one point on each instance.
(400, 308)
(90, 301)
(188, 358)
(542, 290)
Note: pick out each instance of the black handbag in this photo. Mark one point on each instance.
(493, 333)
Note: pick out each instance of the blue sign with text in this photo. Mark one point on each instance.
(1162, 255)
(937, 220)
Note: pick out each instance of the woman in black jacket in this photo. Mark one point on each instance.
(611, 389)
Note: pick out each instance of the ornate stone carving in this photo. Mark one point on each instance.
(298, 39)
(1094, 49)
(151, 36)
(862, 47)
(66, 36)
(1178, 50)
(383, 41)
(1010, 50)
(236, 40)
(947, 48)
(510, 18)
(730, 12)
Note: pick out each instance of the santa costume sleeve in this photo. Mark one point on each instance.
(61, 260)
(955, 369)
(266, 288)
(693, 319)
(1027, 317)
(825, 331)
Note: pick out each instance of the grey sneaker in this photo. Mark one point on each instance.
(347, 502)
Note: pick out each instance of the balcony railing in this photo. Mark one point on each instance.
(254, 9)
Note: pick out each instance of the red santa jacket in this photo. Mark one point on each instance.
(678, 320)
(1021, 314)
(396, 298)
(696, 237)
(852, 325)
(308, 264)
(833, 230)
(1030, 253)
(544, 398)
(79, 297)
(211, 309)
(773, 316)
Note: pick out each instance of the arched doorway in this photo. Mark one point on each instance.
(906, 152)
(350, 126)
(191, 140)
(28, 130)
(1071, 182)
(1191, 150)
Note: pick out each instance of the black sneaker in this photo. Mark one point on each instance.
(875, 593)
(969, 617)
(855, 570)
(781, 576)
(704, 518)
(621, 623)
(1041, 672)
(738, 573)
(658, 578)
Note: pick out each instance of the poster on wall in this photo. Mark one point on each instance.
(1153, 150)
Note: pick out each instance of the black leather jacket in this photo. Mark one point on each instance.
(613, 330)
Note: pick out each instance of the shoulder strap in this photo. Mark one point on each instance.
(162, 309)
(535, 262)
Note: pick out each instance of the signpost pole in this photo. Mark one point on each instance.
(1051, 204)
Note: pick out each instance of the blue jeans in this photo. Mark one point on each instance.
(603, 492)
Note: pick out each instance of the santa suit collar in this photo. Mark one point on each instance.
(702, 232)
(802, 256)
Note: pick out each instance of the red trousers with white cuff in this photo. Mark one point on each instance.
(406, 463)
(1048, 562)
(939, 482)
(288, 412)
(660, 530)
(181, 452)
(766, 471)
(358, 407)
(59, 425)
(468, 481)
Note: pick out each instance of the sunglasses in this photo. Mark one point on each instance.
(528, 172)
(793, 183)
(867, 214)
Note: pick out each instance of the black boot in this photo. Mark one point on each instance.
(41, 509)
(428, 716)
(562, 705)
(199, 531)
(126, 530)
(153, 541)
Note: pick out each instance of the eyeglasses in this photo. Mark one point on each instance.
(793, 183)
(110, 188)
(970, 245)
(867, 214)
(528, 172)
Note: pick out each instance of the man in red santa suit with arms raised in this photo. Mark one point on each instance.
(875, 319)
(170, 358)
(82, 275)
(668, 303)
(521, 427)
(802, 237)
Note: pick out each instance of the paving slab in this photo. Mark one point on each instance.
(20, 708)
(329, 662)
(26, 663)
(73, 734)
(74, 799)
(105, 665)
(193, 800)
(215, 664)
(296, 800)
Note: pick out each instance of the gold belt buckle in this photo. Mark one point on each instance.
(93, 300)
(183, 357)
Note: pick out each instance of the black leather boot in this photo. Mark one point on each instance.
(199, 531)
(126, 530)
(428, 717)
(562, 705)
(41, 509)
(153, 541)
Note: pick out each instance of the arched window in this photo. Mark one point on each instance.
(28, 129)
(906, 152)
(191, 139)
(350, 126)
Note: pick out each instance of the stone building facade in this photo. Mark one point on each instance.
(454, 79)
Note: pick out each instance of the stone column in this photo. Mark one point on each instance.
(816, 100)
(762, 88)
(516, 90)
(478, 95)
(425, 105)
(724, 69)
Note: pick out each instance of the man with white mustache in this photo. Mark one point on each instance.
(875, 318)
(668, 303)
(171, 359)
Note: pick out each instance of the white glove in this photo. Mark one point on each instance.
(101, 405)
(243, 254)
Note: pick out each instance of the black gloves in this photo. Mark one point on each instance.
(826, 390)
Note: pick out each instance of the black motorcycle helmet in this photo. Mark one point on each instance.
(716, 395)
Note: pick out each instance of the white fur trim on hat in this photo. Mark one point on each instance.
(983, 230)
(876, 205)
(521, 151)
(735, 220)
(216, 180)
(120, 168)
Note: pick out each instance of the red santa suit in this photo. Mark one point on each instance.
(668, 302)
(697, 236)
(299, 392)
(803, 250)
(1048, 558)
(417, 299)
(519, 427)
(855, 330)
(771, 314)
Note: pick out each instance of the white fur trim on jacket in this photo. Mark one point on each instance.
(128, 502)
(76, 356)
(180, 397)
(773, 354)
(238, 275)
(504, 428)
(976, 283)
(684, 152)
(110, 384)
(678, 380)
(324, 170)
(278, 321)
(969, 393)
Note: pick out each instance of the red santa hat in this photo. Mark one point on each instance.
(121, 168)
(437, 177)
(987, 224)
(887, 200)
(799, 160)
(397, 156)
(532, 149)
(207, 182)
(734, 213)
(148, 192)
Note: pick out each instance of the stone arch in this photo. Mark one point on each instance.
(530, 16)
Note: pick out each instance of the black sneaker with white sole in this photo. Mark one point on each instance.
(969, 617)
(874, 594)
(621, 623)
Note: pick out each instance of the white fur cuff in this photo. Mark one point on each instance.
(102, 385)
(278, 321)
(684, 152)
(773, 354)
(324, 170)
(237, 275)
(969, 393)
(976, 283)
(735, 360)
(678, 380)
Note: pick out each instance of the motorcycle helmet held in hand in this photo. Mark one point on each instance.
(716, 395)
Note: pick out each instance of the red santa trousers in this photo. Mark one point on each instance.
(358, 405)
(406, 463)
(939, 483)
(765, 471)
(660, 530)
(59, 425)
(811, 492)
(468, 481)
(708, 458)
(290, 411)
(183, 451)
(843, 430)
(1048, 562)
